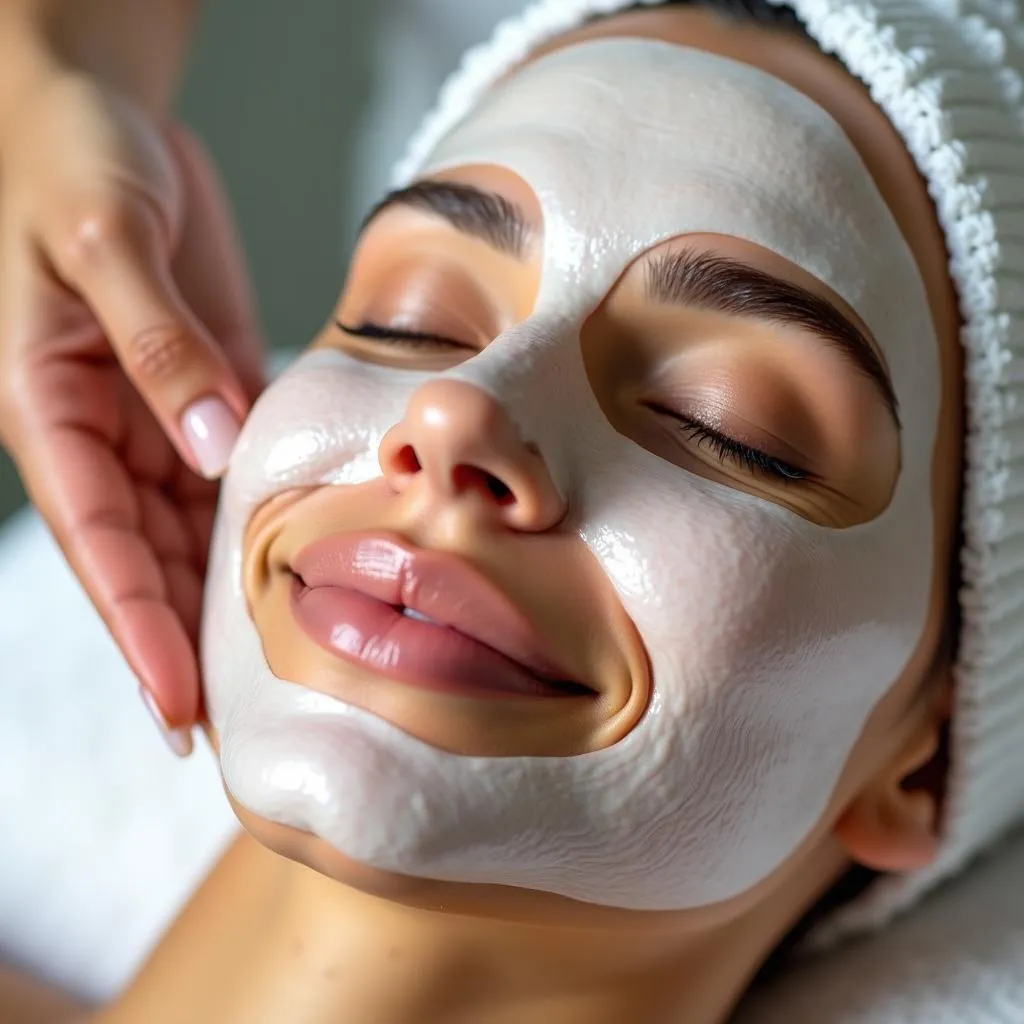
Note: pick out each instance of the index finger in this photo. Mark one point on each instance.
(116, 255)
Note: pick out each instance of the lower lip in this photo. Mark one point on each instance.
(374, 635)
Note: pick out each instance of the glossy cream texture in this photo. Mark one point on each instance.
(771, 639)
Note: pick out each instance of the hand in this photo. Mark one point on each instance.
(129, 356)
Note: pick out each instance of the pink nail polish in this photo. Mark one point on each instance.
(211, 430)
(179, 740)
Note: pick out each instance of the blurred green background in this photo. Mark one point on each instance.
(277, 99)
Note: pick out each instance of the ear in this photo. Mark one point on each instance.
(892, 824)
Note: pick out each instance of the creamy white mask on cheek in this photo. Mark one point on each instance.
(771, 639)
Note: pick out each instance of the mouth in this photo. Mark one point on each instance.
(422, 618)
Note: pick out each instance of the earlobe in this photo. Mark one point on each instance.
(891, 832)
(892, 825)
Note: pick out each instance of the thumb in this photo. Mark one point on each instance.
(120, 265)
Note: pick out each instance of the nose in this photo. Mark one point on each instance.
(457, 441)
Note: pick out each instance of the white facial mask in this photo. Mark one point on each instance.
(771, 639)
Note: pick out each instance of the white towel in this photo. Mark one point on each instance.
(103, 832)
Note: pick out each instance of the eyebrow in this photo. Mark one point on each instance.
(723, 285)
(484, 215)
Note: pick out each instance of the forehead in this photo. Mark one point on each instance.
(629, 142)
(796, 60)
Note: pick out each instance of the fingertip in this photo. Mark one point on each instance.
(210, 429)
(179, 740)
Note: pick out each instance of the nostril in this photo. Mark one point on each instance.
(406, 461)
(468, 477)
(503, 495)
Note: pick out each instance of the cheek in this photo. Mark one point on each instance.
(722, 592)
(766, 648)
(322, 422)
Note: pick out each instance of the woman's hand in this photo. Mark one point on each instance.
(129, 355)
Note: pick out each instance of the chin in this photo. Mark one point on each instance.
(500, 903)
(312, 852)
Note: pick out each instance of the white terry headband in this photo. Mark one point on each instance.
(948, 76)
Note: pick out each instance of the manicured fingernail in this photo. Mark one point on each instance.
(211, 430)
(179, 740)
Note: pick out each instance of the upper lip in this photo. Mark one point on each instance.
(440, 586)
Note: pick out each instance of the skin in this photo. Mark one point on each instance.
(23, 1000)
(286, 927)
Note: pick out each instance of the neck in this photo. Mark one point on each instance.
(392, 964)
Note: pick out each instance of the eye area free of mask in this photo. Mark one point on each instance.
(771, 638)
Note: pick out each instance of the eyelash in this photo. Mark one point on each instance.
(418, 340)
(726, 448)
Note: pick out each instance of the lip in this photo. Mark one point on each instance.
(350, 593)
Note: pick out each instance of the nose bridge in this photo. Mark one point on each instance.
(535, 374)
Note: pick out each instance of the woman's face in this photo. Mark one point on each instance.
(592, 550)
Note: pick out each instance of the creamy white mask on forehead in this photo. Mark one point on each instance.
(771, 639)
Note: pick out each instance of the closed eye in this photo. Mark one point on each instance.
(415, 340)
(729, 450)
